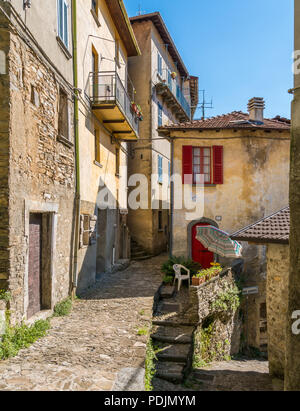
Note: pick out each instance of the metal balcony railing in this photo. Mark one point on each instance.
(106, 87)
(166, 78)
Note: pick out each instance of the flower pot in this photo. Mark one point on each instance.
(173, 75)
(198, 281)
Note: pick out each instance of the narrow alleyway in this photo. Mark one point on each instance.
(97, 347)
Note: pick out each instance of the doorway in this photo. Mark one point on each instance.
(39, 263)
(200, 254)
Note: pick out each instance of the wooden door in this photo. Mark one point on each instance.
(35, 264)
(200, 254)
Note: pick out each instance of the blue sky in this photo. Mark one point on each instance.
(238, 48)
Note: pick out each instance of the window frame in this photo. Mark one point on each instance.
(201, 164)
(160, 168)
(159, 114)
(63, 22)
(159, 64)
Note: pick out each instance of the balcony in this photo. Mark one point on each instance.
(112, 105)
(173, 96)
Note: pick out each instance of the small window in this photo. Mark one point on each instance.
(160, 169)
(97, 146)
(62, 21)
(86, 230)
(160, 115)
(63, 115)
(117, 161)
(34, 96)
(160, 220)
(159, 64)
(201, 164)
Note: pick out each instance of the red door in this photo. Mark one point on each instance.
(200, 254)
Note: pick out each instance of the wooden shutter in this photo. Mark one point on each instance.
(187, 165)
(218, 164)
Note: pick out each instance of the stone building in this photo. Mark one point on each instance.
(273, 232)
(237, 165)
(107, 121)
(292, 374)
(37, 178)
(167, 94)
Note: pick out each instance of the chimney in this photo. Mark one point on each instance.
(256, 107)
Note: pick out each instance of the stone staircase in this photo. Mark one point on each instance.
(174, 323)
(137, 252)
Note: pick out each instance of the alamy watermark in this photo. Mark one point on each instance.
(296, 324)
(155, 194)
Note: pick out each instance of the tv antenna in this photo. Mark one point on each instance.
(204, 104)
(140, 11)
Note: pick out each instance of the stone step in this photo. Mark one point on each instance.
(170, 371)
(203, 376)
(178, 353)
(167, 291)
(173, 335)
(173, 323)
(169, 307)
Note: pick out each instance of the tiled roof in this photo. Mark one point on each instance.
(272, 229)
(234, 120)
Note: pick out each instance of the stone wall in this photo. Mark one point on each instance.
(4, 155)
(225, 326)
(277, 302)
(37, 168)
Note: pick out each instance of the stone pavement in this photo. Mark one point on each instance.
(97, 346)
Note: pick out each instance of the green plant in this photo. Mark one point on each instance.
(142, 331)
(209, 273)
(227, 300)
(149, 365)
(63, 308)
(142, 312)
(19, 337)
(168, 279)
(5, 295)
(167, 267)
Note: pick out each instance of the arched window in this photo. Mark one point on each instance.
(2, 62)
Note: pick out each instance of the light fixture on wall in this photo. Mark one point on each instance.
(26, 4)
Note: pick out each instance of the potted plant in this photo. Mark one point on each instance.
(134, 106)
(168, 280)
(173, 75)
(198, 278)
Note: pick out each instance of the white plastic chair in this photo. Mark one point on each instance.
(181, 277)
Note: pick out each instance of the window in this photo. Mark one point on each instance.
(88, 232)
(117, 161)
(62, 17)
(97, 146)
(63, 115)
(159, 64)
(2, 62)
(160, 169)
(201, 164)
(202, 161)
(160, 115)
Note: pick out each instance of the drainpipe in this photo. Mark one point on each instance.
(76, 135)
(172, 199)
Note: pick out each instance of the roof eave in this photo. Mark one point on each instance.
(260, 241)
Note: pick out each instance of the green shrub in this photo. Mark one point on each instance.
(5, 295)
(227, 300)
(19, 337)
(168, 279)
(63, 308)
(167, 267)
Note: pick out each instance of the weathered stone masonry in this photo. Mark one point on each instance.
(37, 169)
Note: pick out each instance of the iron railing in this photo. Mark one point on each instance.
(166, 78)
(106, 87)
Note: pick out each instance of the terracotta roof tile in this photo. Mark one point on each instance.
(272, 229)
(234, 120)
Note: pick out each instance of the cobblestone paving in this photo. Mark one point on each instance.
(97, 346)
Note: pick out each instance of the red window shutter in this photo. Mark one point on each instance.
(187, 164)
(218, 164)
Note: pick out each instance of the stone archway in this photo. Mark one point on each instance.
(202, 220)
